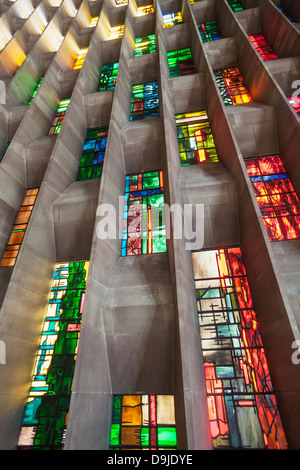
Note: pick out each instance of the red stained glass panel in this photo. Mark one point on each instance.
(276, 197)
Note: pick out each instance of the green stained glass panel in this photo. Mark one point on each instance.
(114, 435)
(108, 77)
(145, 422)
(145, 440)
(145, 45)
(117, 404)
(45, 415)
(93, 153)
(167, 437)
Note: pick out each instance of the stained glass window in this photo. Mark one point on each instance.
(94, 21)
(108, 77)
(144, 101)
(263, 48)
(232, 87)
(143, 422)
(195, 139)
(295, 103)
(36, 90)
(59, 117)
(17, 234)
(144, 229)
(92, 159)
(145, 45)
(116, 32)
(46, 412)
(289, 17)
(276, 197)
(80, 59)
(171, 19)
(235, 5)
(242, 407)
(181, 62)
(146, 10)
(209, 31)
(4, 151)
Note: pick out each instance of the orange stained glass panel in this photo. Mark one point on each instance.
(8, 262)
(132, 415)
(16, 238)
(10, 254)
(130, 435)
(31, 192)
(23, 217)
(29, 200)
(12, 247)
(19, 227)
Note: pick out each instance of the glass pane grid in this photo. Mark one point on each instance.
(195, 139)
(143, 422)
(145, 10)
(235, 5)
(59, 117)
(171, 19)
(144, 229)
(92, 159)
(80, 59)
(276, 197)
(263, 48)
(232, 87)
(209, 31)
(180, 62)
(242, 407)
(294, 102)
(18, 231)
(145, 45)
(108, 77)
(144, 101)
(46, 413)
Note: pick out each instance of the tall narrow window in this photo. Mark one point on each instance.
(92, 159)
(36, 90)
(295, 103)
(195, 139)
(209, 31)
(108, 77)
(263, 47)
(288, 16)
(146, 10)
(181, 62)
(80, 59)
(4, 151)
(15, 240)
(242, 406)
(46, 412)
(276, 197)
(144, 229)
(59, 117)
(145, 45)
(116, 32)
(144, 101)
(143, 422)
(94, 22)
(171, 19)
(235, 5)
(232, 87)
